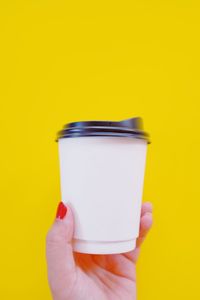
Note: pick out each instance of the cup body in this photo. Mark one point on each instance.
(102, 181)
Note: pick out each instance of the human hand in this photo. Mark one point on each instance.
(77, 276)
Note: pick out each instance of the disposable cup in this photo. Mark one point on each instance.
(102, 165)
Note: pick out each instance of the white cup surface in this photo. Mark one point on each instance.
(102, 181)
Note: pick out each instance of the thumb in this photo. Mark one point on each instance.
(59, 253)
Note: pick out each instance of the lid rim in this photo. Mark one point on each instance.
(126, 128)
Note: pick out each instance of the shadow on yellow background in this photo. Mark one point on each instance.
(63, 62)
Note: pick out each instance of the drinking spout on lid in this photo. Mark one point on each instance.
(134, 123)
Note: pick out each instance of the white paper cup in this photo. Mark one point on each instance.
(102, 181)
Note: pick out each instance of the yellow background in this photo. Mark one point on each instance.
(64, 61)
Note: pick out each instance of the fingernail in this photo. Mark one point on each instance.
(61, 211)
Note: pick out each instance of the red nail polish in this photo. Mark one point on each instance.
(61, 211)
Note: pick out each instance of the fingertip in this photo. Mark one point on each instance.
(61, 211)
(64, 212)
(146, 221)
(63, 225)
(146, 207)
(69, 217)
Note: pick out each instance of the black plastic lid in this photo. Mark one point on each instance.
(126, 128)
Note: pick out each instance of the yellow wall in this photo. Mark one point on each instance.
(63, 61)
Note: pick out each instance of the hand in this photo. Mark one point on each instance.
(76, 276)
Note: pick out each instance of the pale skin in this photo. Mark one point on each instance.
(76, 276)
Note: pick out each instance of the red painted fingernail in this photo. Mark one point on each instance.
(61, 211)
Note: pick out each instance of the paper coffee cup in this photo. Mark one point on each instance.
(102, 168)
